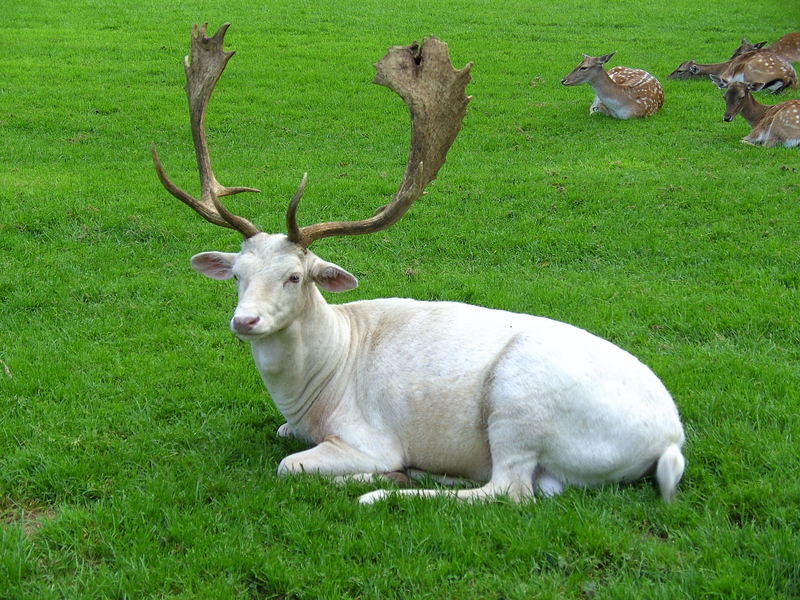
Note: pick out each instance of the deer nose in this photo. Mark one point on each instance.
(244, 324)
(727, 118)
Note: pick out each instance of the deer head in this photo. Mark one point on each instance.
(685, 70)
(737, 95)
(586, 69)
(746, 47)
(277, 275)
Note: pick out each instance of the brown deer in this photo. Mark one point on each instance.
(762, 66)
(622, 92)
(755, 66)
(771, 125)
(788, 47)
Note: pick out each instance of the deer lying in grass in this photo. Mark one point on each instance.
(771, 125)
(522, 403)
(622, 92)
(788, 47)
(757, 66)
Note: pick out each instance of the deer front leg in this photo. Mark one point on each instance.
(598, 107)
(285, 431)
(333, 456)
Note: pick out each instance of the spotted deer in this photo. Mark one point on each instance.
(770, 125)
(788, 47)
(622, 92)
(764, 67)
(399, 386)
(756, 66)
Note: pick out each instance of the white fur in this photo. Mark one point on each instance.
(517, 401)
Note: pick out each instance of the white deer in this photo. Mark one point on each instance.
(622, 92)
(777, 125)
(518, 402)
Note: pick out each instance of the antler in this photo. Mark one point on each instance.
(202, 73)
(434, 92)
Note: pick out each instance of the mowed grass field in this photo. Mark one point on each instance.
(137, 444)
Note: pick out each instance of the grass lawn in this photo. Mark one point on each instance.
(137, 444)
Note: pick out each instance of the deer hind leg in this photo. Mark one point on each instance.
(513, 475)
(516, 489)
(485, 492)
(775, 87)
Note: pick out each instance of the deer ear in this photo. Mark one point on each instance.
(759, 45)
(718, 81)
(217, 265)
(755, 87)
(331, 277)
(606, 57)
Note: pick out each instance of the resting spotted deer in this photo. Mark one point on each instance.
(522, 404)
(788, 47)
(770, 125)
(774, 72)
(622, 92)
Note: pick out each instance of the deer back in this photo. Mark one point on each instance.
(643, 88)
(788, 47)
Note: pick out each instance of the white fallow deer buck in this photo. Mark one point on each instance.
(777, 125)
(772, 71)
(398, 386)
(622, 92)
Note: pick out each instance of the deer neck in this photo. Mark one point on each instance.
(604, 86)
(711, 69)
(298, 363)
(616, 98)
(752, 110)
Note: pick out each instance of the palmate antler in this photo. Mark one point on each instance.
(207, 64)
(434, 94)
(422, 75)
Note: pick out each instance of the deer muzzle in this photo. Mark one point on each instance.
(244, 324)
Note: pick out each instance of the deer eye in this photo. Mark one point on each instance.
(294, 278)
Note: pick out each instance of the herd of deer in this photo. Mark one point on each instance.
(626, 93)
(394, 388)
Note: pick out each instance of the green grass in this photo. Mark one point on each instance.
(137, 444)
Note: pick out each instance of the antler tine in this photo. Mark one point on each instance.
(208, 61)
(434, 93)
